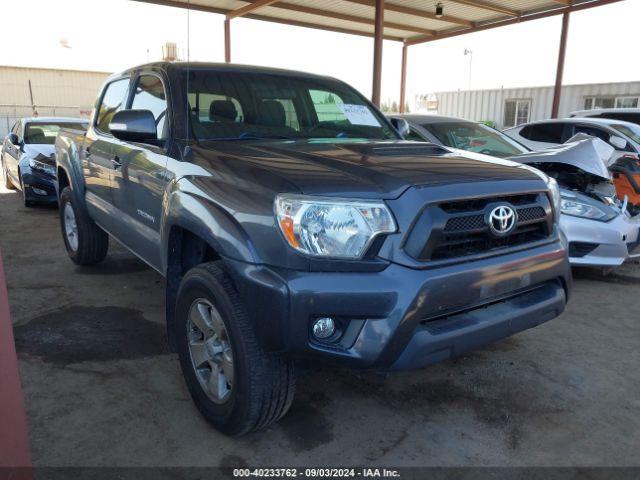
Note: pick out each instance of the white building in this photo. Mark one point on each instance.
(513, 106)
(46, 92)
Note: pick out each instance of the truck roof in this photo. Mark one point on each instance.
(54, 120)
(223, 67)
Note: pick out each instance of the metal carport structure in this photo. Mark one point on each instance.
(411, 22)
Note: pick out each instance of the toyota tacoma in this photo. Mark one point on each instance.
(292, 221)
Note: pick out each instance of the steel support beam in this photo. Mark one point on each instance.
(557, 91)
(240, 12)
(403, 78)
(377, 53)
(227, 40)
(511, 21)
(392, 7)
(488, 6)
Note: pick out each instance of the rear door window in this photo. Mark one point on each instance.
(544, 132)
(593, 131)
(113, 100)
(624, 116)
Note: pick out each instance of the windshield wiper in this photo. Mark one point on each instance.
(253, 136)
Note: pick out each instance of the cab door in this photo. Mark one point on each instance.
(98, 154)
(139, 178)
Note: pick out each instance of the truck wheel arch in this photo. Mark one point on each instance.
(196, 232)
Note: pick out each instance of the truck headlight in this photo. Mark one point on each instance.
(43, 167)
(331, 227)
(554, 191)
(575, 206)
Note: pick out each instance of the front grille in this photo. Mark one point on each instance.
(460, 228)
(475, 204)
(469, 222)
(472, 244)
(531, 214)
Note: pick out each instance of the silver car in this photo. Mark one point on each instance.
(599, 231)
(623, 136)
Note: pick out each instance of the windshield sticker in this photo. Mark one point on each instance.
(358, 115)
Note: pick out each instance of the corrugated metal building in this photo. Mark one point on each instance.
(513, 106)
(48, 92)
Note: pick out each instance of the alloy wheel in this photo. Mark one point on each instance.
(70, 227)
(210, 350)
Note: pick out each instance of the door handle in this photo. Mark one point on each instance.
(115, 161)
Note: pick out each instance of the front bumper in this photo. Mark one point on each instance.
(600, 244)
(400, 317)
(39, 187)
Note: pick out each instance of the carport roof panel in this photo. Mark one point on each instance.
(412, 20)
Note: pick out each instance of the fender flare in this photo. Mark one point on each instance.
(209, 222)
(68, 160)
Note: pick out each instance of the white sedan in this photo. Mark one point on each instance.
(624, 137)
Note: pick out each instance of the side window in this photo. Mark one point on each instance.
(150, 95)
(625, 117)
(16, 129)
(113, 100)
(544, 132)
(413, 135)
(593, 131)
(326, 106)
(212, 107)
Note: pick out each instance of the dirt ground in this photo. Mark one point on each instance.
(102, 390)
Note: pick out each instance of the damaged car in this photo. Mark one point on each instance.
(597, 224)
(27, 160)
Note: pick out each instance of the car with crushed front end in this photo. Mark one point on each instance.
(600, 231)
(291, 221)
(27, 157)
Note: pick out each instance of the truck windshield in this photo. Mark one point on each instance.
(475, 137)
(244, 106)
(45, 133)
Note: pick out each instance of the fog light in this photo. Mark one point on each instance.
(38, 191)
(324, 328)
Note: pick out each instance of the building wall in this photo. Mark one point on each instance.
(480, 105)
(55, 92)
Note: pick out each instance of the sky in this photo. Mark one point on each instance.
(111, 35)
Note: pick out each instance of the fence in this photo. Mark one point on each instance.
(10, 113)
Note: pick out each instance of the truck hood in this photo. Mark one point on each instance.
(365, 169)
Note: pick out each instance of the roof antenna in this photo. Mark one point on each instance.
(187, 148)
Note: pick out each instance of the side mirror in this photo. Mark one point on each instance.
(401, 125)
(618, 142)
(13, 138)
(134, 126)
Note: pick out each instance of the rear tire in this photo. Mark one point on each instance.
(258, 387)
(85, 241)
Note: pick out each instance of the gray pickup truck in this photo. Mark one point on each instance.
(291, 221)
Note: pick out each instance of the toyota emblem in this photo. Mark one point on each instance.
(502, 220)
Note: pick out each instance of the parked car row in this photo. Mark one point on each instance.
(583, 155)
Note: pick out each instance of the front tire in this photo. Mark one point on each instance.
(236, 385)
(86, 242)
(27, 203)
